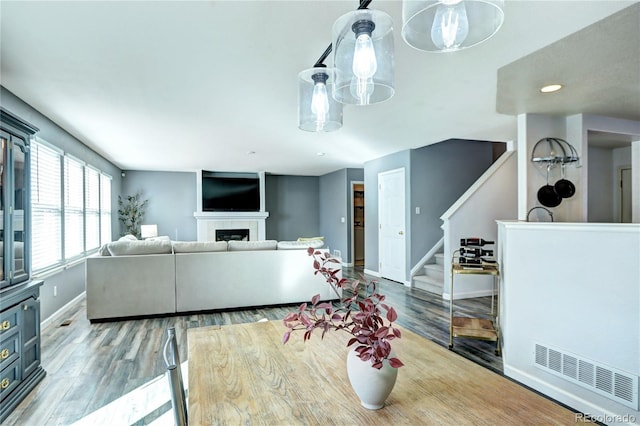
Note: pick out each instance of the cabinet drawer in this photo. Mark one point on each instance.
(9, 379)
(9, 320)
(9, 348)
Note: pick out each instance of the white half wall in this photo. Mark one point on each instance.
(576, 287)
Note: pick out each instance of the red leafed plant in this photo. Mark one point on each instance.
(363, 318)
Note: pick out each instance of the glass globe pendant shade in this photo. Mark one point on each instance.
(363, 57)
(449, 25)
(317, 110)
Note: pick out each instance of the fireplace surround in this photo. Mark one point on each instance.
(210, 222)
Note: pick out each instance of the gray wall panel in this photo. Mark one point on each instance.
(440, 174)
(333, 207)
(371, 169)
(172, 201)
(293, 206)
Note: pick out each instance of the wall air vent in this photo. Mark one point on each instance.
(610, 382)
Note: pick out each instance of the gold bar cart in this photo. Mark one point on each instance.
(475, 327)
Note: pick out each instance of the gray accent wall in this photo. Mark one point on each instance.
(394, 161)
(333, 208)
(440, 174)
(435, 177)
(69, 285)
(293, 206)
(69, 282)
(600, 204)
(172, 201)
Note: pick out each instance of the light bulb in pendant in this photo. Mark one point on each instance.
(365, 64)
(362, 89)
(450, 25)
(320, 99)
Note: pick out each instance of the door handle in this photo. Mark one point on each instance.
(401, 233)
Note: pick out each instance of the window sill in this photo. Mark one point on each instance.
(46, 273)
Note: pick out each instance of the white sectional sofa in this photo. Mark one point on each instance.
(144, 278)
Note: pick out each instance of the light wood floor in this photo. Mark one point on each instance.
(112, 373)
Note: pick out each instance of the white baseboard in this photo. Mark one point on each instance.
(570, 399)
(57, 314)
(370, 272)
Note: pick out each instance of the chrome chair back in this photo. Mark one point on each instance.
(174, 375)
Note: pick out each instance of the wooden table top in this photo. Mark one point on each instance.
(243, 374)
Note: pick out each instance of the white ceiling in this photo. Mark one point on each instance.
(181, 86)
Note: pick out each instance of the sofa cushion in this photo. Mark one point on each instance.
(253, 245)
(198, 246)
(128, 248)
(128, 237)
(300, 245)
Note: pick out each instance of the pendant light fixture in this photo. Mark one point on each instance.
(318, 111)
(363, 57)
(450, 25)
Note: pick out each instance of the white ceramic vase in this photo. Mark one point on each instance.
(372, 386)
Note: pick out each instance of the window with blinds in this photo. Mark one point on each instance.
(105, 209)
(71, 207)
(91, 208)
(46, 206)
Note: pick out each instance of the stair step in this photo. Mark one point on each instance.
(434, 270)
(439, 258)
(430, 284)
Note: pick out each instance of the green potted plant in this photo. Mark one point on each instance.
(131, 211)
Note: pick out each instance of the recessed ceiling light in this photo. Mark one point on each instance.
(320, 154)
(551, 88)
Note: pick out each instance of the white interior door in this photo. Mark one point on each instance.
(625, 195)
(391, 227)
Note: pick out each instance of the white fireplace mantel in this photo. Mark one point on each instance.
(209, 222)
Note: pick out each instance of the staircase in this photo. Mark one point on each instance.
(433, 278)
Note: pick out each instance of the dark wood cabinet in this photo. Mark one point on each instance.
(20, 351)
(15, 200)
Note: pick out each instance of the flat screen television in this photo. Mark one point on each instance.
(226, 192)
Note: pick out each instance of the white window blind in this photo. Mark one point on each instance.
(46, 206)
(105, 209)
(73, 207)
(65, 191)
(91, 208)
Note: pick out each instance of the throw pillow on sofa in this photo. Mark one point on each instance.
(300, 245)
(160, 238)
(198, 246)
(310, 238)
(129, 248)
(104, 250)
(253, 245)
